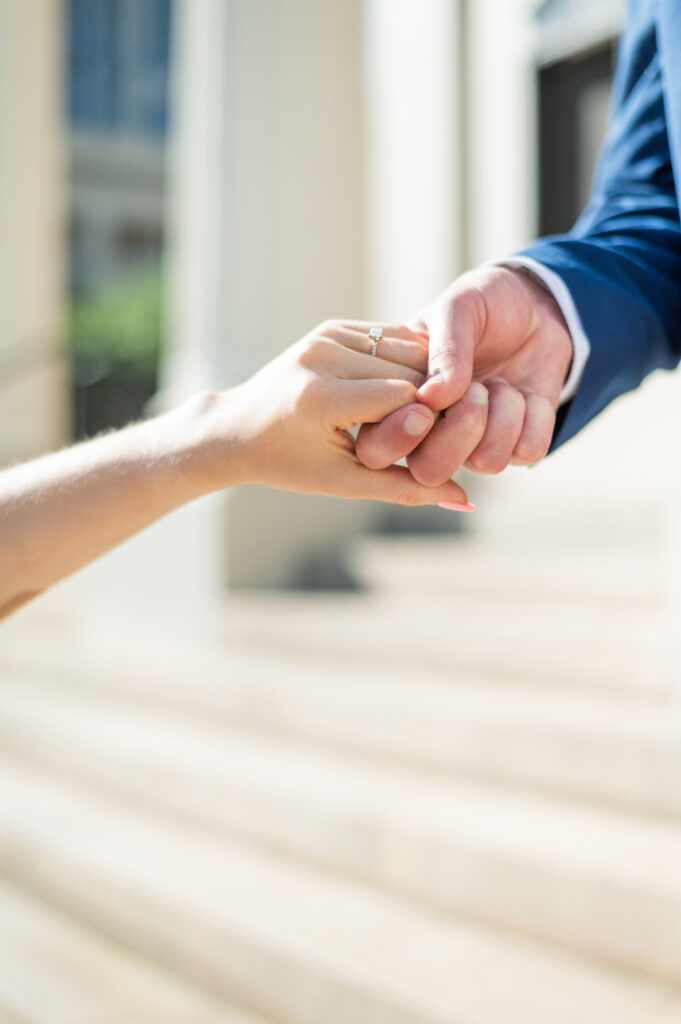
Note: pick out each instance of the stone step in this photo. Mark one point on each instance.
(506, 568)
(539, 643)
(619, 750)
(54, 970)
(13, 1009)
(558, 870)
(297, 943)
(531, 513)
(543, 643)
(475, 642)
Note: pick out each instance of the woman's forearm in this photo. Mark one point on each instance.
(63, 510)
(287, 427)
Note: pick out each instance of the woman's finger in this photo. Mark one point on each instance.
(535, 438)
(324, 355)
(453, 439)
(397, 485)
(397, 331)
(366, 401)
(388, 347)
(505, 420)
(379, 444)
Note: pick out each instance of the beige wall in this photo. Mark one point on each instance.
(501, 140)
(267, 225)
(33, 380)
(415, 95)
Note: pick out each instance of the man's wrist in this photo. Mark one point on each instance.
(546, 298)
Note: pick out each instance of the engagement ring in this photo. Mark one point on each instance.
(376, 333)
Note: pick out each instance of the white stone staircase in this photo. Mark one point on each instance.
(452, 799)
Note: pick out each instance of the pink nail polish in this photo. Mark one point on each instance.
(455, 507)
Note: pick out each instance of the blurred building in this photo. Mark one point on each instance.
(117, 54)
(454, 796)
(324, 158)
(576, 54)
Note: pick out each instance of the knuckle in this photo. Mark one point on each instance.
(418, 355)
(502, 388)
(489, 462)
(328, 327)
(475, 463)
(309, 393)
(541, 409)
(428, 473)
(414, 379)
(370, 452)
(518, 402)
(530, 451)
(469, 420)
(315, 350)
(543, 403)
(495, 464)
(408, 498)
(405, 392)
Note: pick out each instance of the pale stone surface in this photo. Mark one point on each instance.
(537, 642)
(558, 870)
(593, 573)
(331, 949)
(607, 729)
(184, 751)
(616, 746)
(54, 970)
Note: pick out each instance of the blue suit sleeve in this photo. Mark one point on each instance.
(622, 260)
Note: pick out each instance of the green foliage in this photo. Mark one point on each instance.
(120, 324)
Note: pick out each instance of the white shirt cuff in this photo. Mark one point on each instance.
(581, 348)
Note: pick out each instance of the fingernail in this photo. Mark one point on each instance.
(416, 424)
(478, 394)
(456, 508)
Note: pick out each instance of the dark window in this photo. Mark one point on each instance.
(139, 241)
(118, 65)
(573, 104)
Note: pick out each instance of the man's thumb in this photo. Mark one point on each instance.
(452, 336)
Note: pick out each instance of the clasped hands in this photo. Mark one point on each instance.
(474, 380)
(489, 355)
(498, 351)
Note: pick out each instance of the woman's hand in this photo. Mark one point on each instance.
(288, 426)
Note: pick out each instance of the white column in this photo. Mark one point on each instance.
(415, 124)
(33, 379)
(267, 226)
(502, 131)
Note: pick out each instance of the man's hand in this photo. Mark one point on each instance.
(499, 352)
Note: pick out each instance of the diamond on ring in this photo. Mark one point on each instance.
(376, 333)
